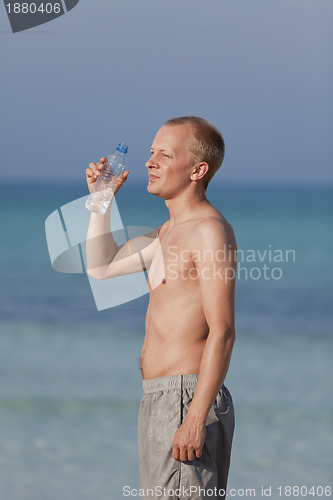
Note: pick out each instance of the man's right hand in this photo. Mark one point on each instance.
(94, 171)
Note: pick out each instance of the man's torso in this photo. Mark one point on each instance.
(176, 328)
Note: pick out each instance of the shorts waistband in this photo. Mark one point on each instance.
(187, 381)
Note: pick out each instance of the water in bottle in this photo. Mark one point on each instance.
(107, 182)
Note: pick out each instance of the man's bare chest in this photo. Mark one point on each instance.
(173, 261)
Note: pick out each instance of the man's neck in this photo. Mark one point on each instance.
(183, 206)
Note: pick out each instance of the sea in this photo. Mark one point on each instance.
(70, 384)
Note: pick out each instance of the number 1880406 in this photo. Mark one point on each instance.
(33, 8)
(304, 491)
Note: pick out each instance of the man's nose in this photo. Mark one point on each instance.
(151, 163)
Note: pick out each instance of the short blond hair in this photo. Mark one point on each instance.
(206, 145)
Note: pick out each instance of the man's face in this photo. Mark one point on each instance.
(169, 166)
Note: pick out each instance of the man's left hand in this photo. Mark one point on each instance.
(188, 440)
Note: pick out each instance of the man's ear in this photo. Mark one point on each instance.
(199, 171)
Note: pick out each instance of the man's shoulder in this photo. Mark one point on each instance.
(214, 222)
(214, 227)
(162, 228)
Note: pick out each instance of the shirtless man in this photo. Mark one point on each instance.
(186, 417)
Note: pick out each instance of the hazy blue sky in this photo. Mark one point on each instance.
(111, 71)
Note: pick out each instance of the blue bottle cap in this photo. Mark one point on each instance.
(122, 147)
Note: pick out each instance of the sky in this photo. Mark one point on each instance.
(115, 71)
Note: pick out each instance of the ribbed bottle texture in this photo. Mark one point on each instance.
(107, 182)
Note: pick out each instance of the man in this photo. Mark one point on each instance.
(186, 417)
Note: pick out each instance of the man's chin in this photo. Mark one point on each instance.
(151, 190)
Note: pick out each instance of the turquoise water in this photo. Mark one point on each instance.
(70, 383)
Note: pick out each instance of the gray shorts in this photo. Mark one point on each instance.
(163, 408)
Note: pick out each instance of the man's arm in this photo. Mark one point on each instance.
(104, 258)
(217, 285)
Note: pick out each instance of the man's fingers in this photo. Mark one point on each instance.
(90, 173)
(180, 454)
(189, 454)
(92, 167)
(175, 453)
(94, 171)
(123, 176)
(121, 181)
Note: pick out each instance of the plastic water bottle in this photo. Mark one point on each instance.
(107, 181)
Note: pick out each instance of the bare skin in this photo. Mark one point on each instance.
(190, 317)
